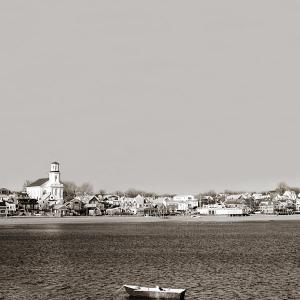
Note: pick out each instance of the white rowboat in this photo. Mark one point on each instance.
(154, 293)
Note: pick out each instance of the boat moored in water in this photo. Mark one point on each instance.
(154, 293)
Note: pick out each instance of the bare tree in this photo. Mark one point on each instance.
(282, 187)
(133, 192)
(119, 193)
(169, 195)
(211, 193)
(102, 192)
(26, 184)
(85, 188)
(150, 194)
(70, 188)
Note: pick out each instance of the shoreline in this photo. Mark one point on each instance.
(33, 220)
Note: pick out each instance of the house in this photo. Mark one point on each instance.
(184, 206)
(48, 189)
(171, 206)
(112, 200)
(11, 207)
(297, 204)
(4, 193)
(164, 205)
(139, 201)
(60, 210)
(233, 197)
(267, 207)
(206, 199)
(75, 206)
(258, 196)
(27, 204)
(289, 195)
(239, 202)
(221, 209)
(93, 206)
(285, 206)
(185, 202)
(113, 211)
(3, 209)
(184, 198)
(132, 205)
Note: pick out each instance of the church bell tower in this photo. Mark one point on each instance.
(54, 174)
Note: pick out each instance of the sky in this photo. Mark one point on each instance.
(164, 96)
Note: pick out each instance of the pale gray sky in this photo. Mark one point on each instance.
(166, 96)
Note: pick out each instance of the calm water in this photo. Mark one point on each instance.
(213, 261)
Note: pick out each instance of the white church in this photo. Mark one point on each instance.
(48, 190)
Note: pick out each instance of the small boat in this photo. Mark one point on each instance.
(154, 293)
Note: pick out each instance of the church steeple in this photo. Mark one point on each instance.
(54, 167)
(54, 174)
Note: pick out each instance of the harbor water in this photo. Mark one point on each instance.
(255, 260)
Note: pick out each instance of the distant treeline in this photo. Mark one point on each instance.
(71, 189)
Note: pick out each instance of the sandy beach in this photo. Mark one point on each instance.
(138, 219)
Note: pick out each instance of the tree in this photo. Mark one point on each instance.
(102, 192)
(85, 188)
(169, 195)
(26, 184)
(211, 193)
(150, 194)
(295, 189)
(131, 193)
(119, 193)
(282, 187)
(70, 188)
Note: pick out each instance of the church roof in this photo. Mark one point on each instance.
(38, 182)
(55, 163)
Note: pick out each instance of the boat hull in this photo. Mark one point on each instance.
(154, 294)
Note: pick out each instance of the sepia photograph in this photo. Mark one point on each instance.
(149, 149)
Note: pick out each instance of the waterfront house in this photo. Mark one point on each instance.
(112, 200)
(11, 207)
(139, 201)
(75, 206)
(206, 199)
(113, 211)
(285, 206)
(3, 209)
(132, 205)
(172, 206)
(185, 202)
(221, 209)
(297, 204)
(60, 210)
(93, 206)
(5, 194)
(267, 207)
(26, 204)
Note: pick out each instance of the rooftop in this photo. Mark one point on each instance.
(38, 182)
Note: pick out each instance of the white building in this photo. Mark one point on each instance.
(184, 198)
(48, 189)
(185, 202)
(221, 209)
(298, 204)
